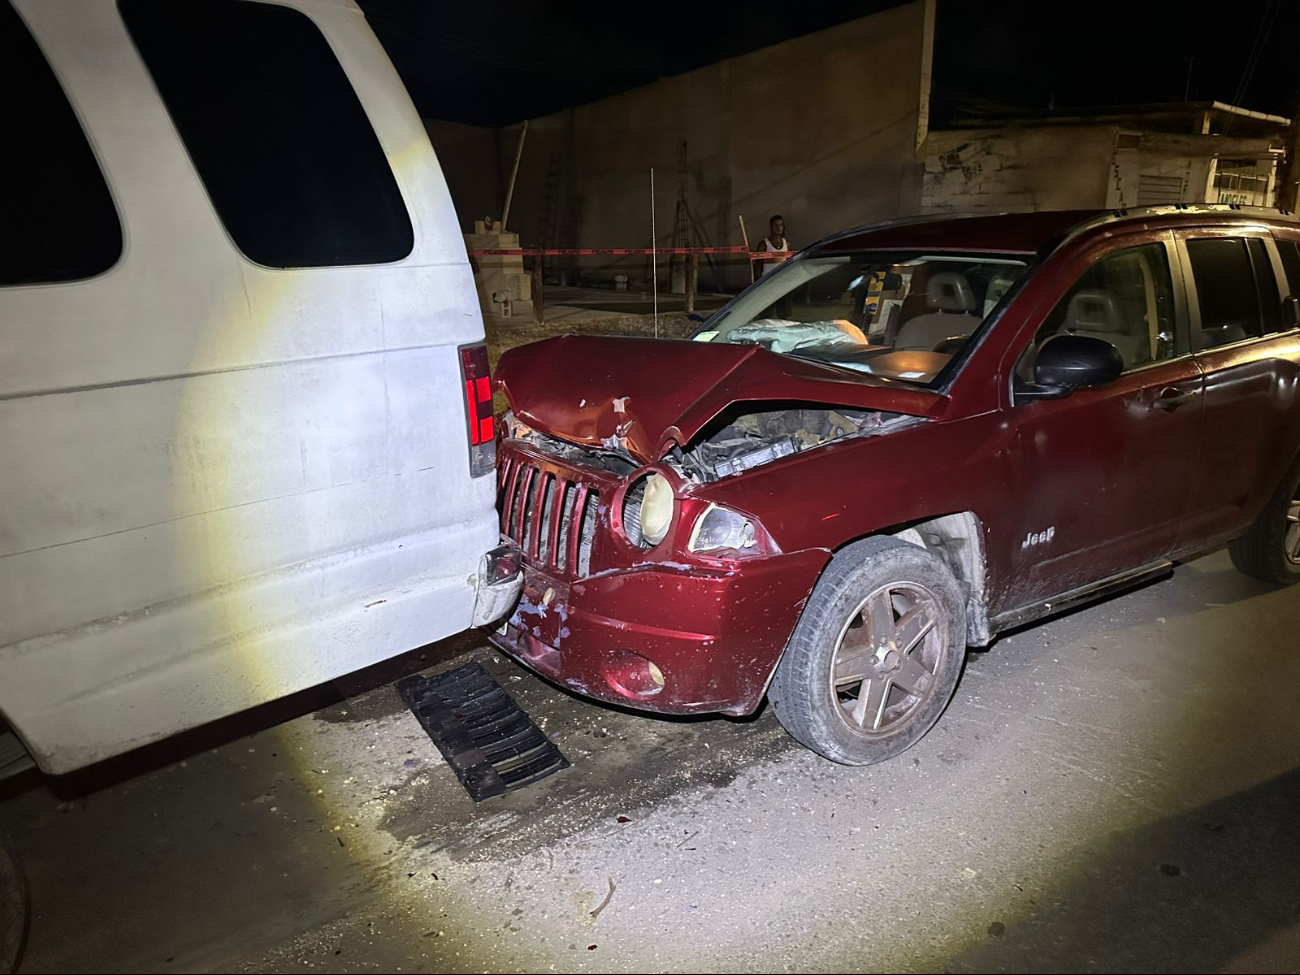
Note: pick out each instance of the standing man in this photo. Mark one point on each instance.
(774, 243)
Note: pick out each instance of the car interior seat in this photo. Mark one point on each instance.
(952, 302)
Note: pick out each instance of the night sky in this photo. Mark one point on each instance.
(492, 63)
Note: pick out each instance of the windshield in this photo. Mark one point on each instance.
(898, 315)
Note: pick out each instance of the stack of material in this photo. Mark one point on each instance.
(504, 287)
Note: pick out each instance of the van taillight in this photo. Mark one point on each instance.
(478, 402)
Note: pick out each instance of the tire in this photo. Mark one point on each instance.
(13, 907)
(878, 584)
(1270, 550)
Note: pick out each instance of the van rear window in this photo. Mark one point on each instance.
(275, 130)
(57, 219)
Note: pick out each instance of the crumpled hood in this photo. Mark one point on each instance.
(644, 394)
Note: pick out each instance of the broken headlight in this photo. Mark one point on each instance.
(648, 510)
(720, 529)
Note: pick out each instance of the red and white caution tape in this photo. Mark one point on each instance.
(739, 249)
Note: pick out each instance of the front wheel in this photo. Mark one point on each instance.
(876, 654)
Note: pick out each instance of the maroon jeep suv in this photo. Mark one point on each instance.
(908, 438)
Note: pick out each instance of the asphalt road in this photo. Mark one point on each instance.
(1115, 790)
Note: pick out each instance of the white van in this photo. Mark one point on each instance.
(245, 422)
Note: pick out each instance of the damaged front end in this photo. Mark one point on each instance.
(640, 588)
(751, 439)
(637, 589)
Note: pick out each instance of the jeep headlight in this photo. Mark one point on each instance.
(648, 510)
(720, 529)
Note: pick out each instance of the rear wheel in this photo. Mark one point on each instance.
(13, 907)
(876, 655)
(1270, 550)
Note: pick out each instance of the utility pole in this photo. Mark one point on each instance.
(1289, 171)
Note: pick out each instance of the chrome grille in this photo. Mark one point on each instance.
(552, 518)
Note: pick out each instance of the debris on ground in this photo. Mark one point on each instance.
(605, 903)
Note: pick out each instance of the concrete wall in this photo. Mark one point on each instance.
(470, 160)
(1052, 167)
(1193, 159)
(822, 129)
(1047, 168)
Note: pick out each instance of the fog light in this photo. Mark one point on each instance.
(633, 675)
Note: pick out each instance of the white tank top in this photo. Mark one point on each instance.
(767, 247)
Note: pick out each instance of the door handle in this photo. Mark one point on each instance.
(1171, 398)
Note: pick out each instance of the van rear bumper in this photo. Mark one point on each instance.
(91, 691)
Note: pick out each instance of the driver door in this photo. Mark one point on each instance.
(1105, 473)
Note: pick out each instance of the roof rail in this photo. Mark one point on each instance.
(1142, 212)
(1105, 217)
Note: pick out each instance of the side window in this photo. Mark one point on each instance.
(1270, 303)
(57, 219)
(1290, 253)
(275, 130)
(1226, 291)
(1126, 299)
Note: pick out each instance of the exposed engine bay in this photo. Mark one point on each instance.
(748, 440)
(736, 441)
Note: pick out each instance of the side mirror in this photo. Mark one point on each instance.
(692, 317)
(1070, 362)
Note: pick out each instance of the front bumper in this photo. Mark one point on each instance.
(663, 637)
(499, 582)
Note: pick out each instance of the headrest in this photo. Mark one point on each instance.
(1093, 311)
(949, 291)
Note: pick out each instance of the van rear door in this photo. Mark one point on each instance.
(240, 458)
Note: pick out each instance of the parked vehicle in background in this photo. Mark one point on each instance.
(244, 398)
(898, 444)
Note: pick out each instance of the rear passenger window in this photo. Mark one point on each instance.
(57, 219)
(278, 136)
(1225, 289)
(1126, 299)
(1270, 303)
(1289, 251)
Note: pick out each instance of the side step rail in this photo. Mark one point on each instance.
(1084, 594)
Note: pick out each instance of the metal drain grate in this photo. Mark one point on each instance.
(487, 739)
